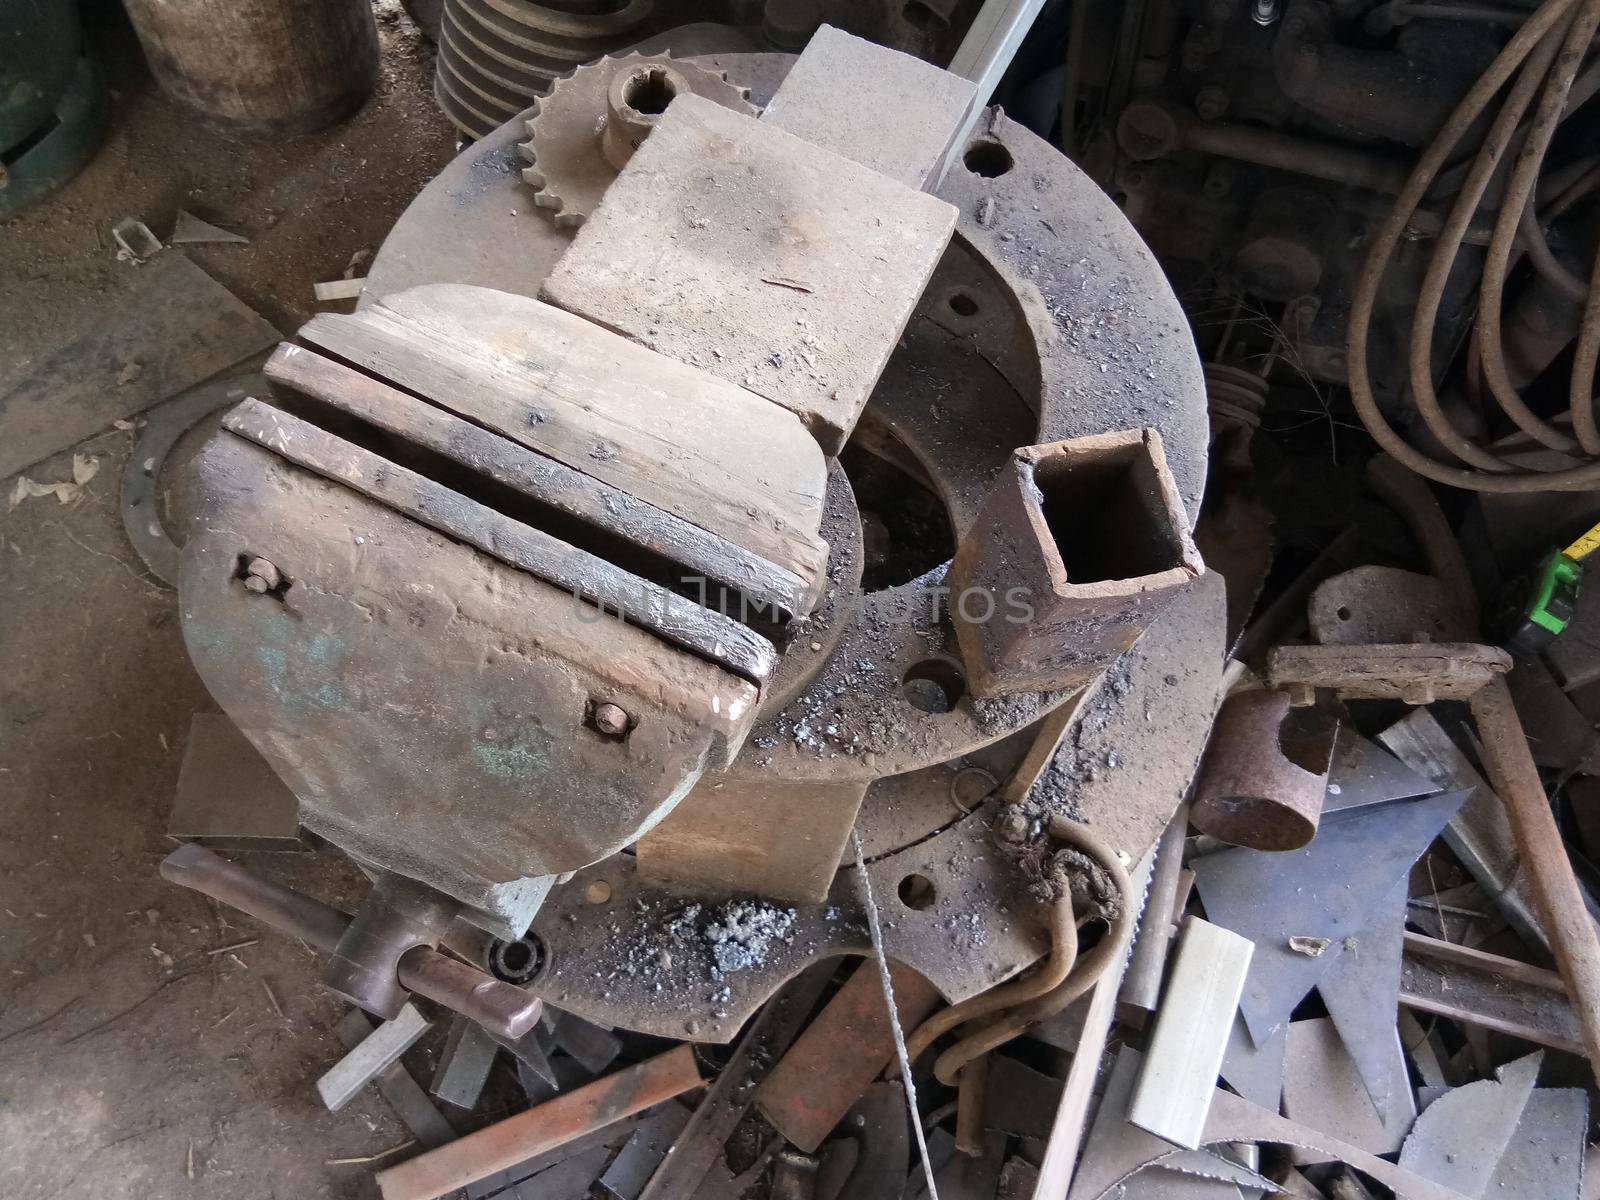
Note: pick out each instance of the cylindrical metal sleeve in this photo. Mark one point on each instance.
(398, 915)
(288, 66)
(1265, 772)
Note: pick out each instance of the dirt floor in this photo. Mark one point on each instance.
(134, 1060)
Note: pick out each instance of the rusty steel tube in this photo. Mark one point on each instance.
(501, 1008)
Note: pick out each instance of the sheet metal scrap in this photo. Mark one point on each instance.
(1329, 889)
(1265, 772)
(1544, 1159)
(1363, 773)
(1459, 1138)
(1117, 1149)
(1322, 1090)
(403, 1093)
(878, 1126)
(1234, 1119)
(1480, 835)
(1361, 990)
(626, 1175)
(1256, 1072)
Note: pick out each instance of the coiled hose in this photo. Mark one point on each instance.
(1544, 55)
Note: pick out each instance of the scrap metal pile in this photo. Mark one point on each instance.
(732, 584)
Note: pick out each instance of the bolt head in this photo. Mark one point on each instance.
(1011, 825)
(611, 719)
(264, 571)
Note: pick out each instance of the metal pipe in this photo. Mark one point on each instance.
(1319, 160)
(501, 1008)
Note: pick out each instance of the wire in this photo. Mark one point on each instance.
(1085, 972)
(1531, 55)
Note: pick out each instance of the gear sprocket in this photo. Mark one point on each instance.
(584, 130)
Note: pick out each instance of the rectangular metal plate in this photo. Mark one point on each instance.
(758, 257)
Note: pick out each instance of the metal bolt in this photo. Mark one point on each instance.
(1211, 102)
(611, 719)
(260, 576)
(1011, 825)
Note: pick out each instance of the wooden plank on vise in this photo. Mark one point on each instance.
(510, 463)
(840, 1053)
(742, 834)
(836, 93)
(541, 1129)
(1191, 1033)
(678, 437)
(702, 631)
(729, 1098)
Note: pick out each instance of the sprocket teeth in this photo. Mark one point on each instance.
(564, 125)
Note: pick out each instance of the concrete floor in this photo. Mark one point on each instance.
(134, 1062)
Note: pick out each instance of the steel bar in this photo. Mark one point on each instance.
(543, 1128)
(375, 1055)
(728, 1099)
(403, 1093)
(841, 1052)
(984, 54)
(498, 1006)
(1488, 991)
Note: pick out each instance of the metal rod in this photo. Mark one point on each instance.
(544, 1127)
(500, 1007)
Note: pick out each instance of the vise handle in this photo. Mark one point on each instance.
(501, 1008)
